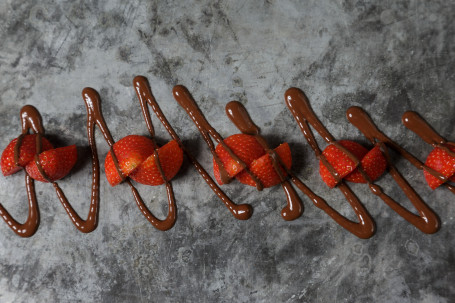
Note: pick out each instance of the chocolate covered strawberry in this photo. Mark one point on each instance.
(136, 160)
(254, 156)
(442, 162)
(27, 151)
(372, 162)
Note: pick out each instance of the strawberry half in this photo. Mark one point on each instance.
(373, 162)
(27, 152)
(246, 147)
(171, 159)
(56, 163)
(264, 170)
(442, 162)
(130, 151)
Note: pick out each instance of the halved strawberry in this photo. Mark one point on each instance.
(171, 159)
(56, 163)
(26, 153)
(341, 162)
(442, 162)
(246, 147)
(130, 151)
(373, 163)
(264, 170)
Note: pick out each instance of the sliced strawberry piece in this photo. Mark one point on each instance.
(340, 161)
(264, 170)
(374, 164)
(442, 162)
(171, 159)
(26, 153)
(56, 163)
(130, 151)
(246, 147)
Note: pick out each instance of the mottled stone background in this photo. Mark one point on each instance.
(386, 56)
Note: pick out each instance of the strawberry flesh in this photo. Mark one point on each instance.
(171, 159)
(56, 163)
(264, 170)
(27, 152)
(130, 151)
(442, 162)
(245, 147)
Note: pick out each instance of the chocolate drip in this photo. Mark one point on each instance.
(30, 119)
(240, 117)
(427, 221)
(184, 98)
(300, 108)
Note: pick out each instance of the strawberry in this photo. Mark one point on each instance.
(373, 163)
(56, 163)
(246, 147)
(171, 159)
(264, 170)
(130, 151)
(26, 153)
(442, 162)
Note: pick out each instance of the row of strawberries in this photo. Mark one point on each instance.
(136, 159)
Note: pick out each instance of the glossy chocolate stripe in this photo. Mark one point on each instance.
(300, 108)
(238, 114)
(427, 221)
(30, 119)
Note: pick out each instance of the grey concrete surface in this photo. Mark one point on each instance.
(386, 56)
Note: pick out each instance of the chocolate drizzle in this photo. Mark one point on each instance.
(184, 98)
(414, 122)
(240, 117)
(30, 119)
(300, 108)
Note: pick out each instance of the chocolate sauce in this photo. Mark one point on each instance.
(418, 125)
(30, 119)
(184, 98)
(242, 120)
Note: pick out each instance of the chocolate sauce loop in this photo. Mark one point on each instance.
(300, 108)
(184, 98)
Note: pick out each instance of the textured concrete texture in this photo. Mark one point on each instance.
(386, 56)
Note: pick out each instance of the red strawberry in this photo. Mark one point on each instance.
(56, 163)
(263, 168)
(26, 153)
(171, 158)
(342, 164)
(246, 147)
(442, 162)
(130, 151)
(374, 164)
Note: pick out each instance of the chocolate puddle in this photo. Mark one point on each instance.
(300, 108)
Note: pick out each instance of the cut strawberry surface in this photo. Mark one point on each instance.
(27, 152)
(130, 151)
(340, 161)
(245, 147)
(373, 163)
(171, 159)
(264, 170)
(56, 163)
(442, 162)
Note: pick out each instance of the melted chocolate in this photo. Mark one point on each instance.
(184, 98)
(300, 108)
(240, 117)
(30, 119)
